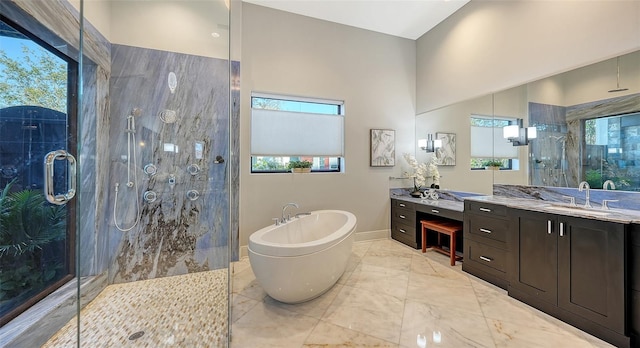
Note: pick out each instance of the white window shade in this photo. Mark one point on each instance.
(283, 133)
(488, 142)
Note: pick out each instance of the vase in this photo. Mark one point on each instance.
(301, 170)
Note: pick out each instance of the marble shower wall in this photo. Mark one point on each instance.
(176, 233)
(625, 199)
(556, 156)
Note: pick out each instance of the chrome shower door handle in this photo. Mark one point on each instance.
(49, 159)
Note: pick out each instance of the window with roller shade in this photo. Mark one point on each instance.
(487, 142)
(285, 128)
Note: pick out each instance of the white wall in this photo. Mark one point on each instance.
(173, 25)
(373, 73)
(490, 46)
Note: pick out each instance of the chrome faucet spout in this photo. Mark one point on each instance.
(584, 186)
(608, 185)
(284, 219)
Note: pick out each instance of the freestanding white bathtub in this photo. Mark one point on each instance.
(300, 260)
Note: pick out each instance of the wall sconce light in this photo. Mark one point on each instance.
(429, 144)
(518, 135)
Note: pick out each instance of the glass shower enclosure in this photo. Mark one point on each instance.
(138, 166)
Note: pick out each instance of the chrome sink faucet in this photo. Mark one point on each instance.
(608, 185)
(584, 186)
(285, 219)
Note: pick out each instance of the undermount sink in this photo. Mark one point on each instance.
(578, 210)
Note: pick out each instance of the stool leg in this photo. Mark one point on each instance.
(424, 239)
(452, 247)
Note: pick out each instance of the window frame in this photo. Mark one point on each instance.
(304, 101)
(72, 147)
(509, 165)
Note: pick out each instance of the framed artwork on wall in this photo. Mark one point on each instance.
(447, 153)
(383, 148)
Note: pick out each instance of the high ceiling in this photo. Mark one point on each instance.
(404, 18)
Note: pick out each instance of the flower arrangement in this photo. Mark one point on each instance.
(423, 172)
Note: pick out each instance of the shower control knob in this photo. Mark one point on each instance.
(193, 169)
(193, 195)
(150, 196)
(150, 169)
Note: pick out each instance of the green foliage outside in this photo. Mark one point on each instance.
(267, 164)
(299, 164)
(493, 163)
(39, 78)
(29, 230)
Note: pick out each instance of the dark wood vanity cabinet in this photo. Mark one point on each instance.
(486, 228)
(403, 222)
(571, 268)
(634, 280)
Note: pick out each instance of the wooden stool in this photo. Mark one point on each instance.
(449, 228)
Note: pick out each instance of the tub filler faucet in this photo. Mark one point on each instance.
(287, 218)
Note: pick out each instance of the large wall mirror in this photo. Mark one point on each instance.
(587, 125)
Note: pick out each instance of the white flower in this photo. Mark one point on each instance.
(422, 172)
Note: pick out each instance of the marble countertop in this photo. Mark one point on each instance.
(623, 216)
(445, 202)
(454, 200)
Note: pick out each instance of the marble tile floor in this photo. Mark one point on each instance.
(180, 311)
(395, 296)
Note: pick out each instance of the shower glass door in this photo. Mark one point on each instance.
(37, 117)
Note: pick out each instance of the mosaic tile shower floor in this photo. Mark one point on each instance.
(180, 311)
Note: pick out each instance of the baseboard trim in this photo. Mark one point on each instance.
(371, 235)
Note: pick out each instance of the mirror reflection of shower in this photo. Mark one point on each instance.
(132, 176)
(562, 139)
(550, 164)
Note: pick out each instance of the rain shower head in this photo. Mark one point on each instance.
(618, 89)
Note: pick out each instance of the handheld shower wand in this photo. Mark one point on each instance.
(131, 140)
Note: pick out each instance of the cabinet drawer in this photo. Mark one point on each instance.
(486, 255)
(403, 229)
(404, 216)
(396, 203)
(404, 233)
(487, 209)
(488, 227)
(441, 212)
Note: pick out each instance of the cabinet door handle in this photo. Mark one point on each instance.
(435, 211)
(485, 259)
(402, 231)
(562, 229)
(486, 210)
(402, 216)
(485, 230)
(402, 205)
(549, 226)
